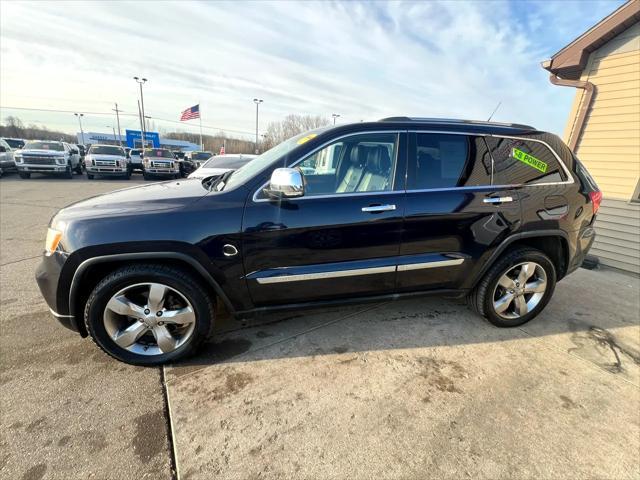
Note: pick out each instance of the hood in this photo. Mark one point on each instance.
(150, 197)
(100, 156)
(52, 153)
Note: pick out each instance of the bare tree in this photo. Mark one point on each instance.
(291, 126)
(14, 127)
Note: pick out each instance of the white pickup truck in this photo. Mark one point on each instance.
(46, 156)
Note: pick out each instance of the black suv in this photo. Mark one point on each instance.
(368, 211)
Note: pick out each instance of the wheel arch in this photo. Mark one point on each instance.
(553, 243)
(92, 270)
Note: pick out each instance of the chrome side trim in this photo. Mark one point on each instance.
(420, 266)
(321, 275)
(329, 142)
(566, 170)
(359, 271)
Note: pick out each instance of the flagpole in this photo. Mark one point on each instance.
(200, 116)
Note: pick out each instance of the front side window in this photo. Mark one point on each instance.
(523, 162)
(355, 164)
(448, 161)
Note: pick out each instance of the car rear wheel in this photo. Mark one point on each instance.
(149, 314)
(516, 288)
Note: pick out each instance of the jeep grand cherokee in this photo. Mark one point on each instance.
(383, 210)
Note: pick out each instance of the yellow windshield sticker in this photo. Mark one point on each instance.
(307, 138)
(529, 160)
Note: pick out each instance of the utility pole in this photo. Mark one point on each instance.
(118, 120)
(335, 115)
(80, 115)
(257, 101)
(140, 82)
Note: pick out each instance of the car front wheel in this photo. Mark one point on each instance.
(516, 288)
(149, 314)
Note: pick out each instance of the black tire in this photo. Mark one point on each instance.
(24, 175)
(79, 168)
(127, 175)
(89, 176)
(68, 172)
(145, 175)
(175, 278)
(481, 298)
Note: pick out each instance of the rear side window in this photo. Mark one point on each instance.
(522, 162)
(447, 161)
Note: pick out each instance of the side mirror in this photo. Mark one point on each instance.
(285, 183)
(3, 149)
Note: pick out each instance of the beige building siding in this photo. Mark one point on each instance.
(610, 146)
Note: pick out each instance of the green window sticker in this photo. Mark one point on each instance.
(529, 160)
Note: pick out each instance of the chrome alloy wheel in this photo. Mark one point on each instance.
(519, 290)
(149, 319)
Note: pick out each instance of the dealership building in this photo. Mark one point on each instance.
(133, 139)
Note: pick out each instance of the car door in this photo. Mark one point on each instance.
(342, 238)
(455, 213)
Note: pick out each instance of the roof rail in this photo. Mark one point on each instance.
(454, 121)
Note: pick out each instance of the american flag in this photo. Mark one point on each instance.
(190, 113)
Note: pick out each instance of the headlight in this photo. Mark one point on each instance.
(18, 158)
(53, 239)
(61, 160)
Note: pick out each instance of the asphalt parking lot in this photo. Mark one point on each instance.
(412, 389)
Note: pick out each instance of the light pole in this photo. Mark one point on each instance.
(335, 115)
(80, 115)
(115, 139)
(140, 82)
(257, 101)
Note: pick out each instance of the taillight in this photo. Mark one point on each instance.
(596, 199)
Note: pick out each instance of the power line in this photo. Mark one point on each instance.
(124, 114)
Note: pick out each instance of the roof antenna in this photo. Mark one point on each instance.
(494, 111)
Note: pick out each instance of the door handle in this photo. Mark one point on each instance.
(498, 200)
(378, 208)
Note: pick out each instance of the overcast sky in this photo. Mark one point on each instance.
(362, 60)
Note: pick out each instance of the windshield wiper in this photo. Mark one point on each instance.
(219, 182)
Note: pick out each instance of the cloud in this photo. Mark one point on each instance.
(362, 60)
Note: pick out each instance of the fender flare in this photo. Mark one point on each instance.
(78, 274)
(513, 238)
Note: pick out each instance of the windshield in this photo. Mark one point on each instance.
(106, 150)
(201, 155)
(267, 158)
(14, 143)
(158, 152)
(44, 146)
(227, 162)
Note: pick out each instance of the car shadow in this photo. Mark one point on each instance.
(579, 320)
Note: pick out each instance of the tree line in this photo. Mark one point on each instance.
(275, 133)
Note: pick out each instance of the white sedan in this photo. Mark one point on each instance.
(220, 164)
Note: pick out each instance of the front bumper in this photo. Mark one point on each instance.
(161, 171)
(106, 170)
(31, 168)
(48, 275)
